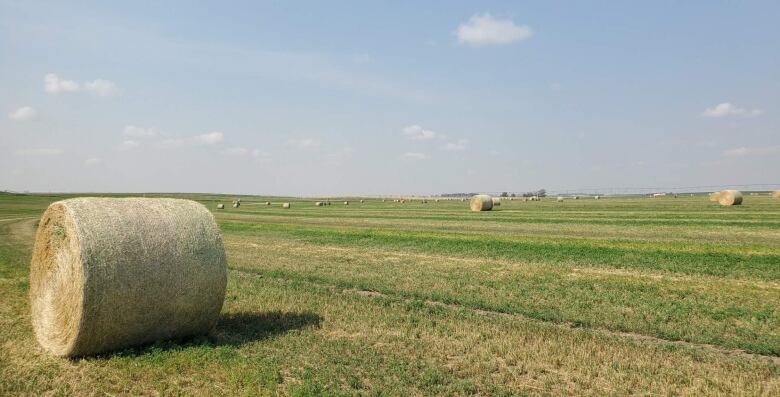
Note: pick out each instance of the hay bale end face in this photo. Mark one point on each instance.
(220, 206)
(730, 197)
(776, 194)
(285, 205)
(96, 286)
(481, 202)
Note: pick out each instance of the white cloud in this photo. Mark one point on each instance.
(458, 146)
(101, 87)
(305, 144)
(417, 133)
(134, 131)
(236, 151)
(727, 109)
(210, 138)
(485, 30)
(414, 156)
(24, 113)
(53, 84)
(130, 144)
(92, 161)
(752, 151)
(39, 152)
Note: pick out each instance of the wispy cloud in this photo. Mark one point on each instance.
(458, 146)
(236, 151)
(752, 151)
(39, 152)
(24, 113)
(414, 156)
(130, 144)
(53, 84)
(484, 29)
(210, 138)
(727, 109)
(417, 133)
(134, 131)
(90, 162)
(305, 144)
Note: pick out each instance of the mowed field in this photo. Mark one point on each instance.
(615, 296)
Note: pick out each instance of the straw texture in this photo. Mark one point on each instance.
(481, 202)
(109, 273)
(776, 194)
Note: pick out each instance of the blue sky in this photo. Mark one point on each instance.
(308, 98)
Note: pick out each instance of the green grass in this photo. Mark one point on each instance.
(616, 296)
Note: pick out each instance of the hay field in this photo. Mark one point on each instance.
(647, 296)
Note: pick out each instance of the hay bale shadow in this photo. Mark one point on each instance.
(232, 330)
(235, 329)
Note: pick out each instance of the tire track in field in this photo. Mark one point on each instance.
(368, 294)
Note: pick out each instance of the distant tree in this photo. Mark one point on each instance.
(541, 193)
(504, 194)
(512, 195)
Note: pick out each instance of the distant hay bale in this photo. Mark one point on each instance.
(481, 202)
(267, 203)
(236, 204)
(220, 206)
(346, 203)
(776, 194)
(285, 205)
(318, 204)
(496, 201)
(559, 199)
(402, 201)
(576, 197)
(714, 196)
(362, 201)
(730, 197)
(109, 273)
(383, 200)
(596, 197)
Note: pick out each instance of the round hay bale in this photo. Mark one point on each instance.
(776, 194)
(318, 204)
(715, 196)
(730, 197)
(109, 273)
(596, 197)
(285, 205)
(267, 203)
(346, 203)
(220, 206)
(496, 201)
(402, 201)
(362, 201)
(559, 199)
(481, 202)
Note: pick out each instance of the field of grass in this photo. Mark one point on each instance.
(615, 296)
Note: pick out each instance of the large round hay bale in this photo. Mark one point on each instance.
(496, 201)
(776, 194)
(481, 202)
(109, 273)
(560, 199)
(596, 197)
(285, 205)
(220, 206)
(318, 204)
(730, 197)
(362, 201)
(346, 203)
(267, 203)
(236, 204)
(715, 196)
